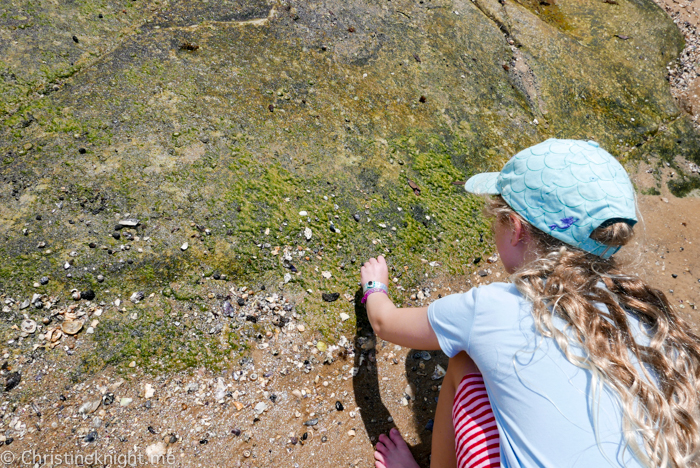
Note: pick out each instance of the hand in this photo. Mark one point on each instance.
(375, 269)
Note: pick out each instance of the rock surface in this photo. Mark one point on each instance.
(172, 149)
(434, 91)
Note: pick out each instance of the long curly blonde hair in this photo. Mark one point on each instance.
(661, 403)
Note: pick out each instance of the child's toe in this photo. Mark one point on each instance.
(387, 441)
(380, 457)
(396, 438)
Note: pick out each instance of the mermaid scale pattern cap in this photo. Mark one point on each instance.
(566, 188)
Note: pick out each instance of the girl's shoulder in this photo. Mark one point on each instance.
(486, 298)
(498, 290)
(497, 286)
(481, 299)
(500, 303)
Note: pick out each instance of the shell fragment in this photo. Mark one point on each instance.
(71, 327)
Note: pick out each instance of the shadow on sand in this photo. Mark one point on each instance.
(375, 415)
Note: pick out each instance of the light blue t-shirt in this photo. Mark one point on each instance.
(543, 406)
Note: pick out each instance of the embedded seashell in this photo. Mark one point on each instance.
(28, 326)
(71, 327)
(53, 335)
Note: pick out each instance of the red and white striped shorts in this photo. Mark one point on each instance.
(476, 434)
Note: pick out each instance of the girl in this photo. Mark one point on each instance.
(583, 365)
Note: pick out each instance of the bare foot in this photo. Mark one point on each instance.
(392, 452)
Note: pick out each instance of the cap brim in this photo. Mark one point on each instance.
(483, 184)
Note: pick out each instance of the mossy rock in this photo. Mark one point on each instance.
(217, 123)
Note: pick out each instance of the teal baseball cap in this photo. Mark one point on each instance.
(565, 188)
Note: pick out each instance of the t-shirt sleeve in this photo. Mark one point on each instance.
(452, 318)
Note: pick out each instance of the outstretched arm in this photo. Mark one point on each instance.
(407, 327)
